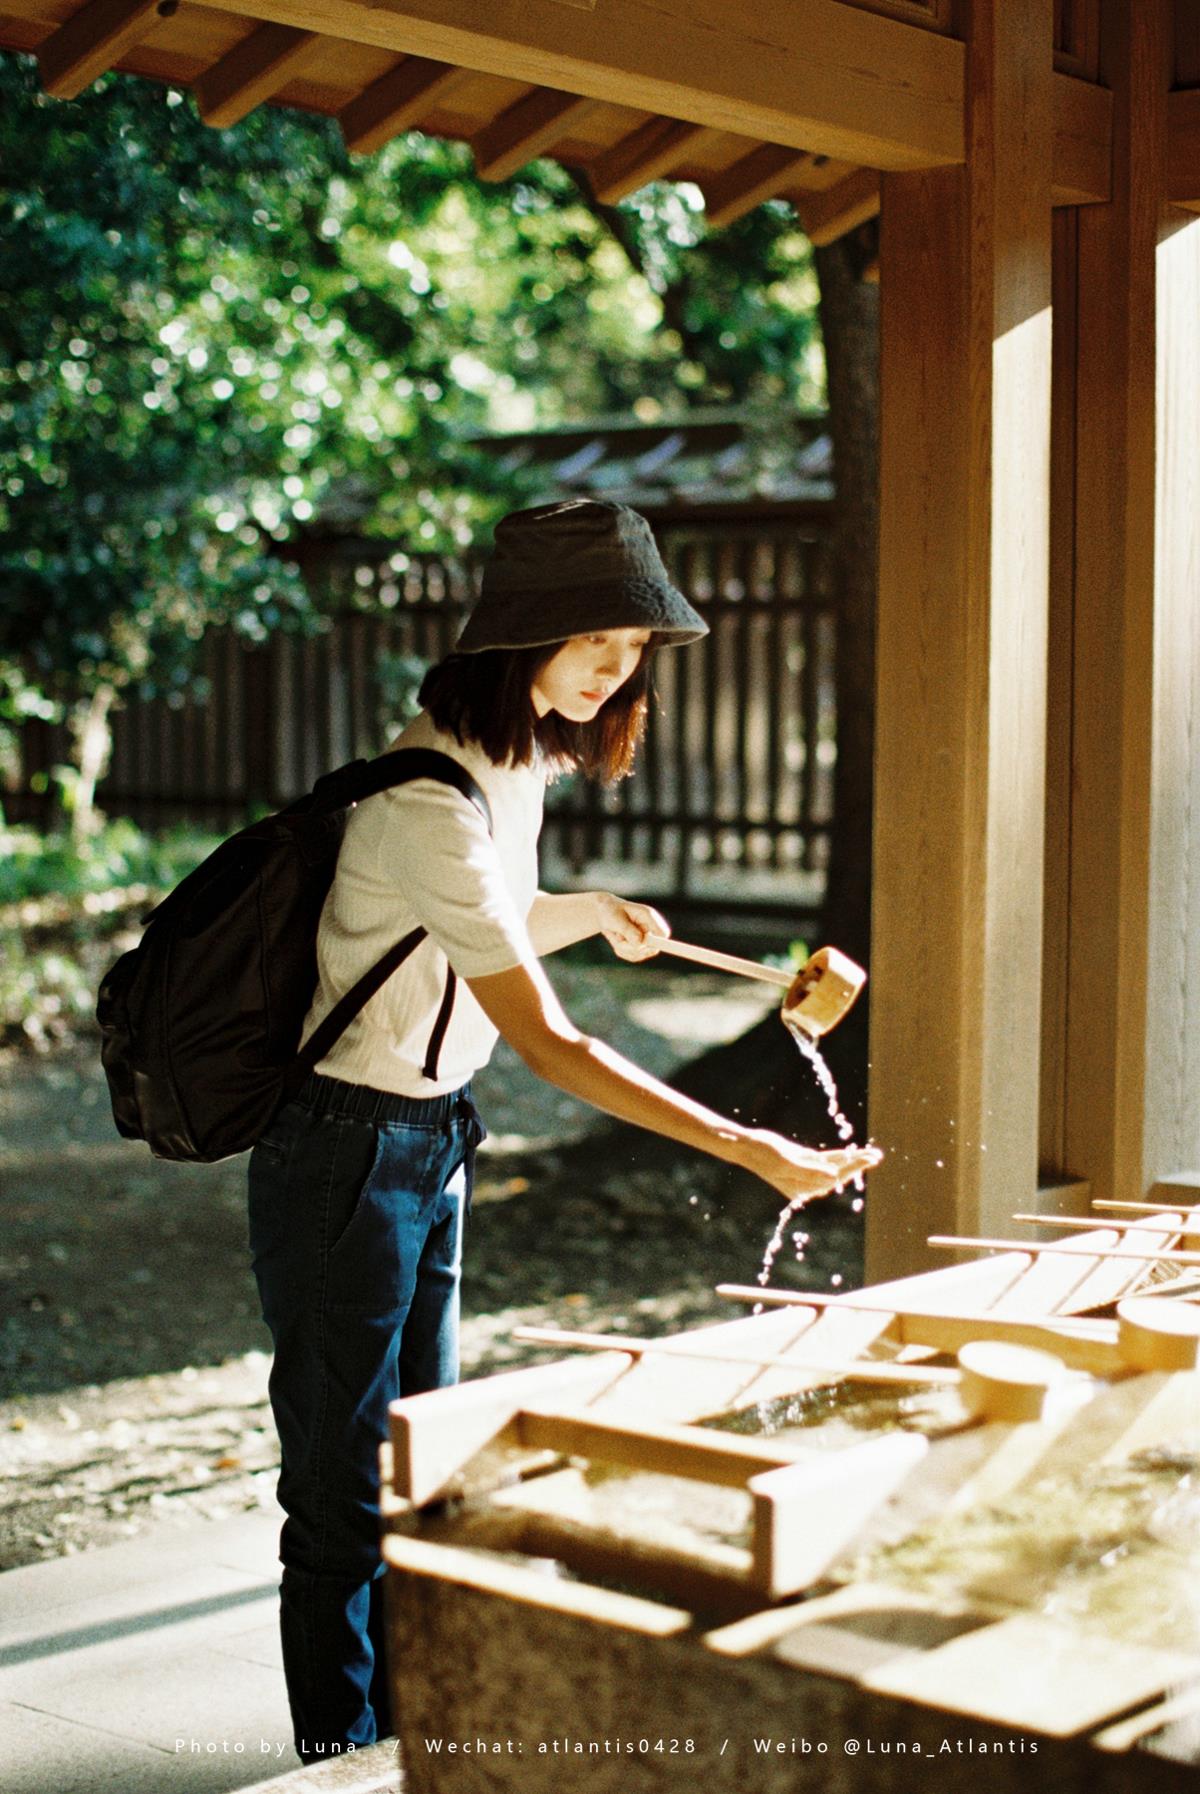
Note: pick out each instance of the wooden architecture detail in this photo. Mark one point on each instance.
(528, 129)
(848, 90)
(397, 101)
(965, 285)
(253, 72)
(91, 41)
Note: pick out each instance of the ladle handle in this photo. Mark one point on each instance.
(724, 962)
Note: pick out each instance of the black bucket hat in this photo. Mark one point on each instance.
(570, 568)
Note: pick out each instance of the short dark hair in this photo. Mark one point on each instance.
(487, 698)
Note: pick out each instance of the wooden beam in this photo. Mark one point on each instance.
(91, 41)
(765, 172)
(820, 75)
(827, 215)
(1183, 149)
(251, 72)
(960, 755)
(528, 129)
(653, 150)
(396, 102)
(1082, 142)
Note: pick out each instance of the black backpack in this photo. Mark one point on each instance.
(201, 1022)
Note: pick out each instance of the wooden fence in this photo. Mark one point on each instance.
(732, 800)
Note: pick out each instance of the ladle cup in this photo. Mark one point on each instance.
(816, 997)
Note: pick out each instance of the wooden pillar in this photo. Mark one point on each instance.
(960, 755)
(1121, 1110)
(1172, 1130)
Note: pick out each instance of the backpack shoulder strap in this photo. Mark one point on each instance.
(365, 778)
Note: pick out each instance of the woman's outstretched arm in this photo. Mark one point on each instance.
(557, 921)
(522, 1005)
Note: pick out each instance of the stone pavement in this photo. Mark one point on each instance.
(152, 1667)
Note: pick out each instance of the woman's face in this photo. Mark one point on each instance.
(586, 671)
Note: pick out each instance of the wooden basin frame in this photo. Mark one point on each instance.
(714, 1632)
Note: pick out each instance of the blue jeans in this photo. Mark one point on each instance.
(357, 1205)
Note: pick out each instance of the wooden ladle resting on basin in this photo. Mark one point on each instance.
(817, 996)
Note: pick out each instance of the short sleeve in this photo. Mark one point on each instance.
(437, 851)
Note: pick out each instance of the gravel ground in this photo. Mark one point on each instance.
(133, 1360)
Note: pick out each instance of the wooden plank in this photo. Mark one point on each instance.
(829, 214)
(252, 72)
(765, 172)
(1089, 1345)
(1167, 1223)
(818, 75)
(1183, 148)
(396, 102)
(653, 150)
(665, 1450)
(805, 1515)
(91, 41)
(847, 1369)
(526, 130)
(1070, 1248)
(433, 1436)
(467, 1569)
(960, 729)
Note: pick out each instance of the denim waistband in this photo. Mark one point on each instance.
(330, 1096)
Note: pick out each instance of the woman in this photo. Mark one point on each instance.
(358, 1188)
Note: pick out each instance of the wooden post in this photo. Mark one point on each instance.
(1172, 1136)
(1128, 1099)
(960, 756)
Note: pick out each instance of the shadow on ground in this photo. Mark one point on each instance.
(133, 1360)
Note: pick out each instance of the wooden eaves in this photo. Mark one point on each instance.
(806, 103)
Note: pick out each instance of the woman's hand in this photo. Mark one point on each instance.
(801, 1171)
(625, 926)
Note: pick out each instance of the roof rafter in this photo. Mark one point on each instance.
(397, 102)
(92, 40)
(831, 212)
(653, 150)
(252, 71)
(528, 129)
(765, 172)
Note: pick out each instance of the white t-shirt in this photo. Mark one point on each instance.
(421, 855)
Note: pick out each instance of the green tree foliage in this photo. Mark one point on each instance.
(213, 343)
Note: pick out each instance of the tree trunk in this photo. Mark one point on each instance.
(91, 734)
(760, 1074)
